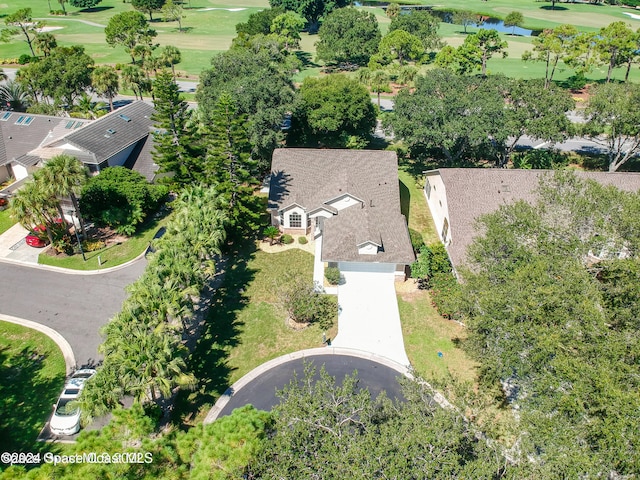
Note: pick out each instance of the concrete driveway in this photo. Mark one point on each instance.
(368, 318)
(13, 246)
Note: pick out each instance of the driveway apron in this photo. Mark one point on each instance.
(368, 316)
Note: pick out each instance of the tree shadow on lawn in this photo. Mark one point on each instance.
(94, 9)
(208, 361)
(27, 399)
(306, 59)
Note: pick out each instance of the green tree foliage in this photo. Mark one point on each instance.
(143, 348)
(120, 198)
(105, 82)
(335, 428)
(449, 116)
(13, 94)
(533, 111)
(45, 43)
(148, 6)
(305, 303)
(465, 18)
(129, 29)
(432, 259)
(393, 10)
(178, 147)
(514, 19)
(170, 56)
(173, 12)
(399, 45)
(313, 11)
(615, 44)
(34, 205)
(479, 47)
(550, 47)
(422, 25)
(348, 36)
(330, 109)
(259, 22)
(230, 168)
(62, 76)
(612, 121)
(260, 88)
(133, 77)
(288, 26)
(554, 328)
(21, 22)
(84, 3)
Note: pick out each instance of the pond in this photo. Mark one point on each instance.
(447, 17)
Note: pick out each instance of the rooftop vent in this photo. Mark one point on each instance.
(124, 117)
(111, 131)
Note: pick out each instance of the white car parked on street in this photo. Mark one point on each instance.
(66, 419)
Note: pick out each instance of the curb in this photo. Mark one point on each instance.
(67, 352)
(256, 372)
(70, 271)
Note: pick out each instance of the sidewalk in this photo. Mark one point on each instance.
(13, 246)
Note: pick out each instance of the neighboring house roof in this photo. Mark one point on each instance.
(116, 131)
(473, 192)
(313, 177)
(141, 159)
(18, 139)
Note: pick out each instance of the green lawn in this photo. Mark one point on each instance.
(31, 378)
(414, 207)
(111, 256)
(246, 327)
(6, 222)
(426, 333)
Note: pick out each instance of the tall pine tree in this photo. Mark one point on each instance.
(230, 168)
(178, 148)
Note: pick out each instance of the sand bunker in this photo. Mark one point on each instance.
(216, 8)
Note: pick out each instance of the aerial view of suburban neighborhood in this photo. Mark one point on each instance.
(319, 239)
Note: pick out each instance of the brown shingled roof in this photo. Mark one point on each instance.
(311, 177)
(472, 192)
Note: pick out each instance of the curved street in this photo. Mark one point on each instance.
(74, 305)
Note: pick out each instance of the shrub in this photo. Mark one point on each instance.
(305, 305)
(445, 294)
(120, 198)
(303, 240)
(432, 259)
(24, 59)
(576, 82)
(540, 159)
(286, 239)
(417, 241)
(332, 274)
(92, 245)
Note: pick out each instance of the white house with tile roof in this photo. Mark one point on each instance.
(349, 200)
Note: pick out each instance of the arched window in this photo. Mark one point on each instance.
(295, 220)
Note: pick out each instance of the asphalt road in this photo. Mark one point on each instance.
(261, 392)
(74, 305)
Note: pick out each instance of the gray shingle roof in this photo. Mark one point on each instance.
(472, 192)
(311, 177)
(113, 133)
(18, 140)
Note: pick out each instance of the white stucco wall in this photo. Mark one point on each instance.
(294, 209)
(19, 171)
(436, 195)
(119, 158)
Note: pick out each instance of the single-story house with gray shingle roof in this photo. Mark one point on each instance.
(349, 200)
(458, 196)
(122, 137)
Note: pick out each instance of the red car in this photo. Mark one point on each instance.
(38, 237)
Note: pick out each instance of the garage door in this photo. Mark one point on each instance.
(367, 267)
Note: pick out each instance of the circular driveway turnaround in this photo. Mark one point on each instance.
(259, 386)
(74, 305)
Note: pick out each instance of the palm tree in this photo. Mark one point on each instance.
(45, 42)
(13, 95)
(3, 76)
(105, 82)
(85, 107)
(170, 57)
(65, 176)
(32, 205)
(133, 77)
